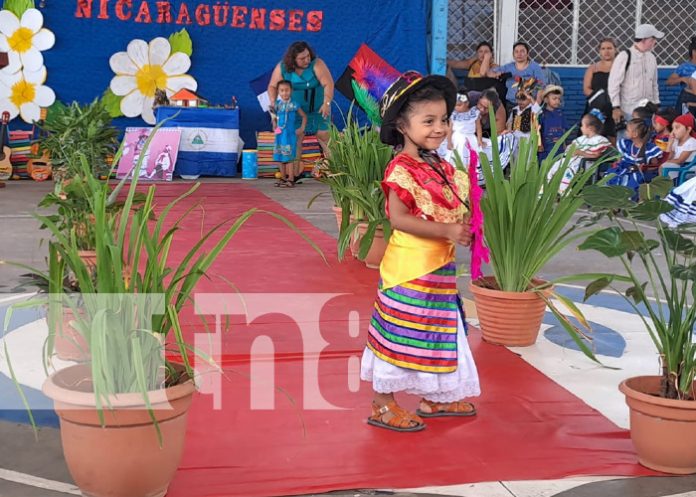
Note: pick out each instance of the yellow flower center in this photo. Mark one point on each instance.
(149, 78)
(22, 93)
(20, 41)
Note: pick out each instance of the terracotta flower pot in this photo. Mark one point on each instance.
(123, 458)
(89, 257)
(374, 255)
(339, 215)
(663, 431)
(507, 318)
(68, 343)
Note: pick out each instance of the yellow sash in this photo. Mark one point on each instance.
(409, 257)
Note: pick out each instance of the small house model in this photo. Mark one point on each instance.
(187, 98)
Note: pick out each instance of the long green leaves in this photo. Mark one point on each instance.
(356, 166)
(525, 217)
(133, 298)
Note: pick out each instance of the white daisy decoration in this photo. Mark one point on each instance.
(142, 69)
(23, 93)
(24, 39)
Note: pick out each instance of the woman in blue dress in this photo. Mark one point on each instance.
(312, 89)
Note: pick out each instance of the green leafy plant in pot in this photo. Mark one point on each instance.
(76, 130)
(355, 168)
(127, 407)
(659, 275)
(525, 225)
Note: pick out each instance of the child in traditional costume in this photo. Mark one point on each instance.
(285, 147)
(552, 122)
(524, 116)
(465, 130)
(589, 145)
(417, 335)
(639, 156)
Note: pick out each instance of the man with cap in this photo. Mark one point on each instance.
(633, 75)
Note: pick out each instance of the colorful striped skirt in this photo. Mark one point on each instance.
(414, 325)
(417, 341)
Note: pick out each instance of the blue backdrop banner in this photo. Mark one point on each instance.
(233, 43)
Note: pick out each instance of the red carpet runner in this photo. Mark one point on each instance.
(527, 428)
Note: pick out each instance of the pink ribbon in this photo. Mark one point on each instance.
(479, 252)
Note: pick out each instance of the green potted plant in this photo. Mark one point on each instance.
(354, 169)
(75, 129)
(660, 271)
(525, 225)
(127, 407)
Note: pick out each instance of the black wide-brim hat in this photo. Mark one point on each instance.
(396, 96)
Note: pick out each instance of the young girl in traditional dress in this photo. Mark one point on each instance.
(285, 149)
(639, 156)
(465, 131)
(589, 145)
(417, 335)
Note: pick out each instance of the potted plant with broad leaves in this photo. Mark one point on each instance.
(525, 225)
(125, 410)
(660, 272)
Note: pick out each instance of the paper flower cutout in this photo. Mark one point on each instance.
(143, 68)
(24, 93)
(24, 40)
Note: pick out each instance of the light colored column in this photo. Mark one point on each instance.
(438, 34)
(576, 30)
(507, 30)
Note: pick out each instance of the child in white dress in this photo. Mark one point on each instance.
(465, 130)
(590, 145)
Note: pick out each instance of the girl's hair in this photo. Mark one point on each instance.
(645, 112)
(667, 113)
(520, 43)
(607, 40)
(293, 51)
(593, 122)
(692, 47)
(425, 94)
(492, 96)
(484, 44)
(643, 127)
(284, 82)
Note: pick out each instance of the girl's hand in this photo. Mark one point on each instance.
(460, 233)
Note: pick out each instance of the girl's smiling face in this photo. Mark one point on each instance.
(284, 92)
(425, 126)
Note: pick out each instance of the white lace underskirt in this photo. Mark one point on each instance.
(435, 387)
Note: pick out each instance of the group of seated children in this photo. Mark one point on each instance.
(657, 141)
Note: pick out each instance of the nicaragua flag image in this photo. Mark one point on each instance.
(210, 142)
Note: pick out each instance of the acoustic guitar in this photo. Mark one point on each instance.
(39, 167)
(5, 150)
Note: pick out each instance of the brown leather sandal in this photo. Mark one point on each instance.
(401, 419)
(459, 408)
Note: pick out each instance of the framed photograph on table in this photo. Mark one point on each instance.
(158, 159)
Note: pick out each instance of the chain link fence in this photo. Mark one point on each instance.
(547, 26)
(568, 32)
(469, 22)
